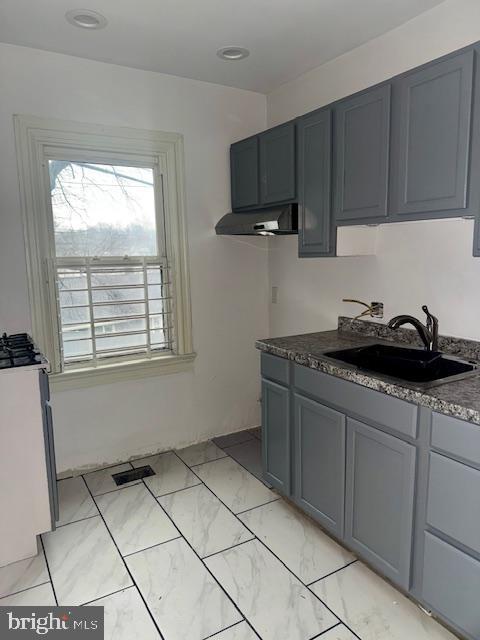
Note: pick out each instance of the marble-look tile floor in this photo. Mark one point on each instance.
(204, 549)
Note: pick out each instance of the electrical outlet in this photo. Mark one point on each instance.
(274, 295)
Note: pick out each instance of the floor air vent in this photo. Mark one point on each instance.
(133, 474)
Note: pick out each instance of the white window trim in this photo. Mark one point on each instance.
(33, 136)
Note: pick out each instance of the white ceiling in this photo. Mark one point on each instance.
(181, 37)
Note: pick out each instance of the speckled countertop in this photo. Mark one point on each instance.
(460, 398)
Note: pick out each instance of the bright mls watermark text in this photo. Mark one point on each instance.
(25, 623)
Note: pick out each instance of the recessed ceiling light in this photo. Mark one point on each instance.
(233, 53)
(86, 19)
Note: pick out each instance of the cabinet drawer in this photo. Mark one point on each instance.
(275, 368)
(359, 401)
(457, 437)
(451, 584)
(454, 500)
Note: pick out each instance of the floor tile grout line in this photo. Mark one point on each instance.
(239, 463)
(212, 636)
(123, 486)
(157, 627)
(234, 546)
(259, 506)
(14, 593)
(132, 586)
(192, 468)
(207, 569)
(164, 495)
(109, 466)
(48, 569)
(152, 546)
(60, 526)
(199, 464)
(287, 568)
(310, 584)
(326, 631)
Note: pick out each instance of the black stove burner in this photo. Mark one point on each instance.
(17, 350)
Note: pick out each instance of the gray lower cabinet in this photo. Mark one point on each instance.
(361, 156)
(432, 135)
(451, 585)
(277, 164)
(316, 231)
(319, 462)
(380, 483)
(244, 173)
(276, 435)
(362, 483)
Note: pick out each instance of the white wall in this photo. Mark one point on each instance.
(228, 276)
(416, 263)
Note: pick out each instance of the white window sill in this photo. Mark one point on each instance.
(130, 370)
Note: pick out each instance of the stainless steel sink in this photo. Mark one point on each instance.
(416, 368)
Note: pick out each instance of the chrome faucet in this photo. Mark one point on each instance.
(428, 332)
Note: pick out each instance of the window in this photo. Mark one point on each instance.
(103, 213)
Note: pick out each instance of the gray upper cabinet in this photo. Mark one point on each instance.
(361, 156)
(277, 164)
(316, 232)
(276, 435)
(244, 173)
(379, 499)
(319, 441)
(432, 110)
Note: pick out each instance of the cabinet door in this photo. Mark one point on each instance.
(362, 141)
(277, 164)
(432, 137)
(276, 435)
(451, 584)
(244, 173)
(320, 462)
(316, 233)
(379, 499)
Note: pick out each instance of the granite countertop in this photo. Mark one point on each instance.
(460, 398)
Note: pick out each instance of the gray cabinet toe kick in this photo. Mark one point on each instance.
(396, 483)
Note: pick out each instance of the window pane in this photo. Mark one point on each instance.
(121, 342)
(116, 310)
(102, 210)
(76, 349)
(122, 325)
(68, 280)
(75, 316)
(117, 326)
(159, 338)
(158, 306)
(157, 291)
(116, 277)
(117, 295)
(76, 332)
(73, 298)
(159, 322)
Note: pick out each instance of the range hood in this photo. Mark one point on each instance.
(263, 222)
